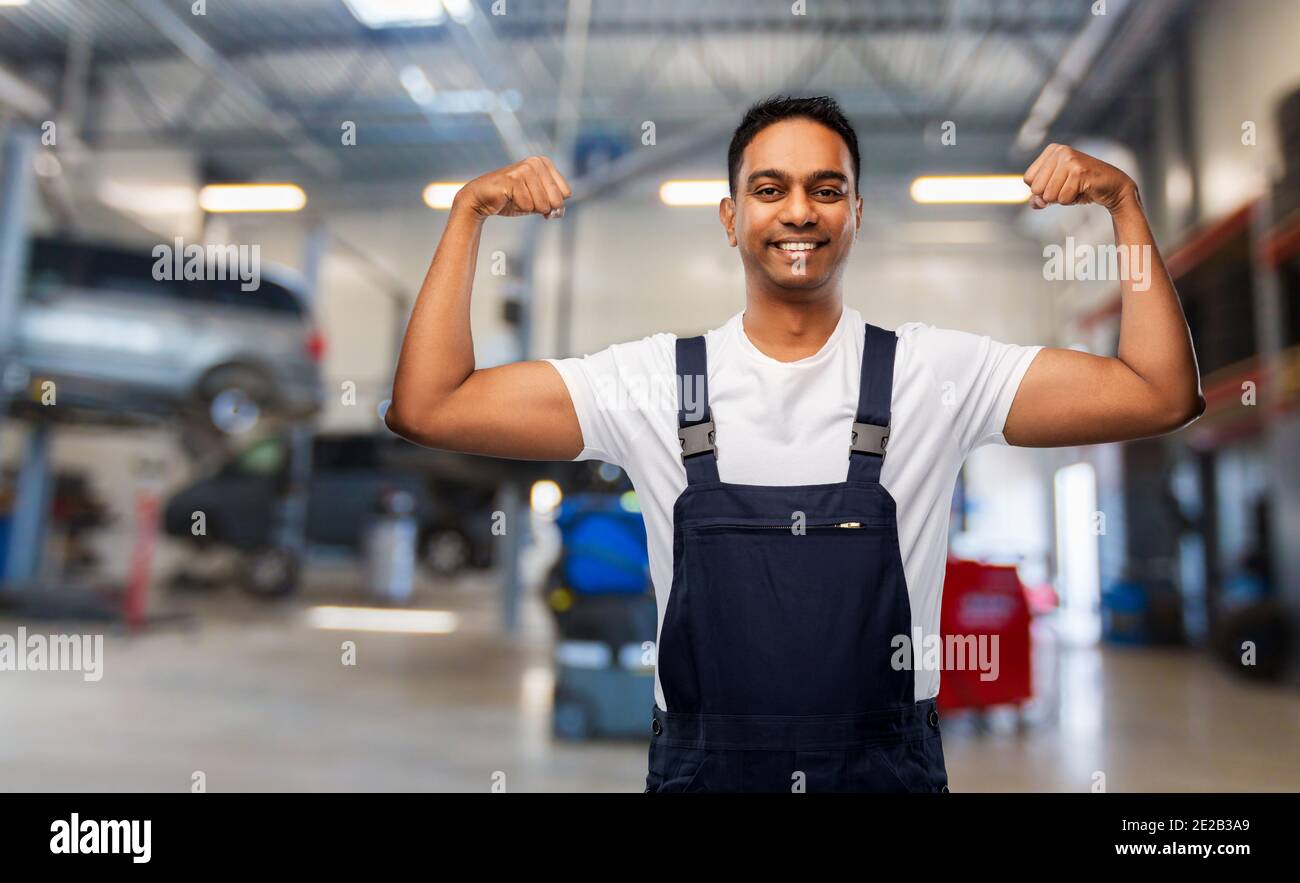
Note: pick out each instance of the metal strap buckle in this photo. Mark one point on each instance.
(869, 439)
(697, 439)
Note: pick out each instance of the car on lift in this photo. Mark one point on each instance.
(453, 498)
(118, 343)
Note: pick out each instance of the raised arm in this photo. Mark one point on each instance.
(1152, 385)
(440, 399)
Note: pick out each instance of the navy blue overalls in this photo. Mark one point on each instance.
(775, 650)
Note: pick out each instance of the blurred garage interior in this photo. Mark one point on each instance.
(292, 598)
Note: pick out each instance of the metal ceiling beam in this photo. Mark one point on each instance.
(22, 97)
(1064, 81)
(416, 133)
(1129, 48)
(1088, 79)
(640, 162)
(479, 45)
(513, 29)
(199, 51)
(569, 118)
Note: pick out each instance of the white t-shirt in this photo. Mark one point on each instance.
(789, 423)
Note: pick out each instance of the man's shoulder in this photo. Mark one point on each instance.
(640, 352)
(652, 351)
(938, 353)
(927, 341)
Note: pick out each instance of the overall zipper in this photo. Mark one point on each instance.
(852, 525)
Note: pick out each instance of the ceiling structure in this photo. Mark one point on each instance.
(264, 88)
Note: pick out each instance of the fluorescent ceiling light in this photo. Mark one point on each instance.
(382, 619)
(439, 194)
(417, 85)
(397, 13)
(945, 233)
(474, 101)
(970, 189)
(147, 199)
(681, 193)
(13, 2)
(460, 11)
(252, 198)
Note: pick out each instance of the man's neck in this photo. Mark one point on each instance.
(788, 331)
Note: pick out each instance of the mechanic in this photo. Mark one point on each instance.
(796, 504)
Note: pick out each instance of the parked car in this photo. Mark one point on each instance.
(119, 343)
(349, 472)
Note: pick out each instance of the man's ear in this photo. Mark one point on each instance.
(857, 219)
(727, 214)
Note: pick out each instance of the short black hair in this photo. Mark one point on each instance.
(820, 109)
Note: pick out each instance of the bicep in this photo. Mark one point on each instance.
(1074, 398)
(521, 410)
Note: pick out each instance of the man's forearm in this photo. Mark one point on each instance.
(1154, 341)
(438, 349)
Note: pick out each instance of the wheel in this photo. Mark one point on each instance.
(182, 581)
(272, 574)
(445, 551)
(234, 399)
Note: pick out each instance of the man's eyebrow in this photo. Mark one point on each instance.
(777, 174)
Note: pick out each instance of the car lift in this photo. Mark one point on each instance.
(20, 588)
(20, 585)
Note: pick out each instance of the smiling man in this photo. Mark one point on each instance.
(796, 487)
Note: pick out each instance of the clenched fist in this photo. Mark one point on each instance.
(1063, 176)
(532, 186)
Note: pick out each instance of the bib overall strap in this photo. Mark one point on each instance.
(694, 421)
(871, 429)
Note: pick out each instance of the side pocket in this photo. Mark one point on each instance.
(689, 771)
(917, 766)
(882, 776)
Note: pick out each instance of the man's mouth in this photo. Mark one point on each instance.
(792, 248)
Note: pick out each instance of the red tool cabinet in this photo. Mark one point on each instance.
(986, 600)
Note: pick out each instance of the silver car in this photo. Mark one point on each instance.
(117, 343)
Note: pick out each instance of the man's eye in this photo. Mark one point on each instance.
(765, 191)
(829, 191)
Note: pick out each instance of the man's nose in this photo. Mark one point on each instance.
(798, 210)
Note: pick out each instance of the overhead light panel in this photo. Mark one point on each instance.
(439, 194)
(687, 193)
(382, 619)
(252, 198)
(147, 199)
(460, 11)
(969, 189)
(397, 13)
(417, 85)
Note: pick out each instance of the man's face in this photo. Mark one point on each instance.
(795, 213)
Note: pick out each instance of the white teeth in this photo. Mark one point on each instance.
(796, 246)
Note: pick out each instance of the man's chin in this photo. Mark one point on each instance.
(796, 281)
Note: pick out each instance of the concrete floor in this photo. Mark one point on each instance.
(256, 699)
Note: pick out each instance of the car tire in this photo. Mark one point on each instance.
(234, 399)
(272, 573)
(445, 551)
